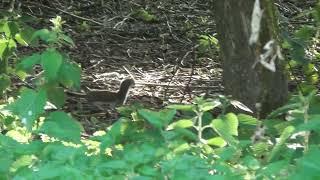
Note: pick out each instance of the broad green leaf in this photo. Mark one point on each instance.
(24, 36)
(305, 33)
(187, 167)
(3, 48)
(56, 96)
(182, 148)
(12, 45)
(247, 125)
(207, 106)
(51, 171)
(217, 141)
(19, 136)
(313, 124)
(247, 120)
(27, 63)
(308, 167)
(60, 125)
(158, 119)
(20, 40)
(4, 83)
(29, 106)
(182, 107)
(229, 123)
(5, 162)
(274, 168)
(282, 110)
(67, 39)
(251, 162)
(186, 133)
(9, 28)
(112, 137)
(183, 123)
(149, 171)
(114, 165)
(22, 161)
(45, 35)
(280, 144)
(226, 127)
(69, 75)
(51, 61)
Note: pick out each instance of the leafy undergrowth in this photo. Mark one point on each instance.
(178, 142)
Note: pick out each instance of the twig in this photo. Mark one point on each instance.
(73, 15)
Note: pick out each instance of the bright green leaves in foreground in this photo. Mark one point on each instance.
(61, 126)
(226, 127)
(69, 74)
(5, 82)
(57, 68)
(158, 119)
(51, 61)
(29, 106)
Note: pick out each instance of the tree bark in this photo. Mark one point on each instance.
(254, 85)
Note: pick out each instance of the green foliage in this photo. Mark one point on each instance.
(29, 106)
(207, 44)
(54, 126)
(181, 141)
(303, 52)
(144, 16)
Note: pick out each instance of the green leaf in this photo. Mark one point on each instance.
(158, 119)
(28, 63)
(145, 16)
(113, 136)
(229, 123)
(186, 133)
(12, 45)
(3, 48)
(24, 36)
(9, 28)
(308, 167)
(251, 162)
(305, 33)
(22, 161)
(281, 143)
(5, 162)
(62, 126)
(67, 39)
(45, 35)
(56, 96)
(275, 168)
(217, 141)
(207, 106)
(4, 83)
(182, 107)
(114, 165)
(282, 110)
(51, 61)
(226, 127)
(20, 40)
(29, 106)
(247, 125)
(69, 75)
(313, 124)
(183, 123)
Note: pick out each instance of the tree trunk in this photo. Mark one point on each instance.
(246, 80)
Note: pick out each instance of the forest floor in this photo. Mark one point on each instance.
(163, 45)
